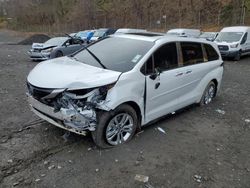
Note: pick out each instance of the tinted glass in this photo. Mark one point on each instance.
(229, 36)
(99, 33)
(165, 57)
(118, 54)
(192, 53)
(244, 39)
(211, 53)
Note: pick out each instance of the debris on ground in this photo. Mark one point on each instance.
(15, 184)
(51, 167)
(43, 175)
(221, 111)
(137, 163)
(173, 113)
(139, 133)
(10, 161)
(46, 162)
(37, 180)
(116, 160)
(147, 185)
(141, 178)
(37, 38)
(66, 136)
(59, 167)
(161, 130)
(97, 170)
(89, 149)
(247, 120)
(70, 161)
(197, 178)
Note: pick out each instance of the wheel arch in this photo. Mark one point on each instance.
(215, 81)
(137, 109)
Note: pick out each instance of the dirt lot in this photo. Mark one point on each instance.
(198, 141)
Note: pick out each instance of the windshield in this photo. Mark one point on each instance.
(99, 33)
(229, 36)
(118, 54)
(82, 34)
(56, 41)
(207, 35)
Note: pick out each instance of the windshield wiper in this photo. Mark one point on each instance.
(96, 58)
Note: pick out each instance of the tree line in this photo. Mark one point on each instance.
(74, 15)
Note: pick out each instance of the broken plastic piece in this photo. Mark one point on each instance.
(161, 130)
(221, 111)
(141, 178)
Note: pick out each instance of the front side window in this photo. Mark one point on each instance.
(192, 53)
(115, 53)
(244, 39)
(212, 55)
(165, 58)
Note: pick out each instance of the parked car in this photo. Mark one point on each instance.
(55, 47)
(129, 30)
(101, 33)
(42, 51)
(85, 35)
(112, 91)
(211, 36)
(185, 32)
(69, 47)
(234, 42)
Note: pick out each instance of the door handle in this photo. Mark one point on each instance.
(157, 85)
(179, 74)
(189, 71)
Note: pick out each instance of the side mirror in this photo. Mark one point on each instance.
(156, 74)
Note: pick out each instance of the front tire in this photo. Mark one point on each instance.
(59, 54)
(115, 127)
(237, 57)
(209, 94)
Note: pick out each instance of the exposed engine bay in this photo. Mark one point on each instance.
(73, 109)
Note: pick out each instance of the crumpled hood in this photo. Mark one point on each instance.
(41, 46)
(65, 72)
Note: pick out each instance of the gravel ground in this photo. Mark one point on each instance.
(201, 147)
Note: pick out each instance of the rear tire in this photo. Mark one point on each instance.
(115, 127)
(208, 94)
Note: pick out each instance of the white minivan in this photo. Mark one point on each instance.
(185, 32)
(234, 42)
(123, 82)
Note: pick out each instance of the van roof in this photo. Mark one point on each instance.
(235, 29)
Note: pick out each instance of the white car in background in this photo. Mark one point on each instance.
(234, 42)
(112, 91)
(185, 32)
(129, 30)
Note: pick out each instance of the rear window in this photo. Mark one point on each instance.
(192, 53)
(212, 55)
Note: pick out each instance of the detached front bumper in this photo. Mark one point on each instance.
(67, 119)
(38, 56)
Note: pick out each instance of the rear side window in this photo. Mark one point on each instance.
(165, 58)
(192, 53)
(212, 55)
